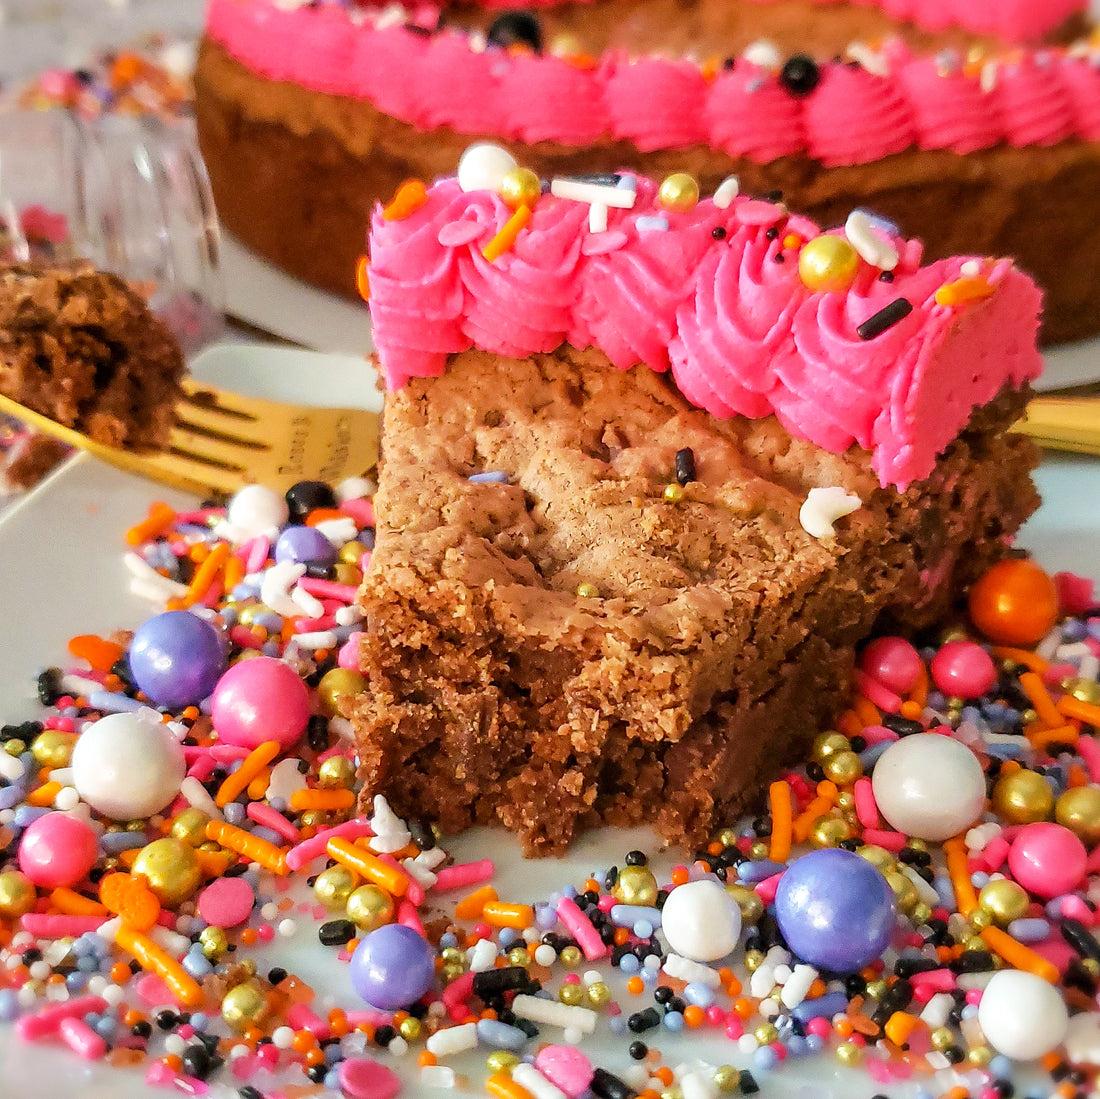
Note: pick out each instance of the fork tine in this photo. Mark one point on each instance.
(212, 450)
(193, 476)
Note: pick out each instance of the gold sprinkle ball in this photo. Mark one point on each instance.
(1004, 901)
(335, 683)
(247, 1005)
(828, 263)
(843, 768)
(337, 772)
(17, 894)
(171, 868)
(679, 192)
(1023, 797)
(635, 885)
(333, 886)
(520, 187)
(53, 748)
(190, 826)
(1078, 809)
(369, 907)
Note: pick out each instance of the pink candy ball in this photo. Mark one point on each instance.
(963, 669)
(57, 850)
(258, 700)
(893, 662)
(1047, 859)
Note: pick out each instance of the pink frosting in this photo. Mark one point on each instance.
(728, 312)
(1014, 20)
(852, 117)
(950, 110)
(1036, 110)
(852, 111)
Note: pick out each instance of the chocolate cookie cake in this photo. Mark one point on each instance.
(974, 126)
(651, 469)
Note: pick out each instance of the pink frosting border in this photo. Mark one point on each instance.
(1011, 20)
(854, 116)
(728, 314)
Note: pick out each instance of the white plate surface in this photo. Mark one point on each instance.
(61, 562)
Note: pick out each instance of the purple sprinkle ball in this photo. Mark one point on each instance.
(835, 910)
(392, 967)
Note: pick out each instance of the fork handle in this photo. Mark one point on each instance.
(1063, 423)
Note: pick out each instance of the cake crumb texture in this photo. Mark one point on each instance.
(713, 637)
(82, 347)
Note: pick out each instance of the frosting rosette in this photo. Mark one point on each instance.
(655, 103)
(893, 362)
(626, 298)
(522, 302)
(739, 316)
(1032, 102)
(1081, 79)
(950, 109)
(854, 116)
(749, 113)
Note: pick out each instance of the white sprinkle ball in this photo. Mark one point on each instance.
(701, 921)
(1021, 1015)
(483, 166)
(255, 511)
(929, 785)
(127, 767)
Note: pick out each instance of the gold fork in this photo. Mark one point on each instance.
(222, 441)
(1063, 423)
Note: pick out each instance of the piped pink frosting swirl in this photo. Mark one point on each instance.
(717, 296)
(447, 78)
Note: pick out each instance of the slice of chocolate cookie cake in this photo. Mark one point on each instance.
(652, 468)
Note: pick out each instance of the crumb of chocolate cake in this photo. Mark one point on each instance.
(565, 642)
(82, 347)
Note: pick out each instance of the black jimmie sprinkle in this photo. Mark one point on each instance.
(885, 318)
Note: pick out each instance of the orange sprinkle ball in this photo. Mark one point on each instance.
(1014, 603)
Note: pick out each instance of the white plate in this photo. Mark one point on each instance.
(275, 302)
(61, 562)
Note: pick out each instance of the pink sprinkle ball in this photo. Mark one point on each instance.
(1047, 859)
(963, 669)
(260, 699)
(57, 850)
(226, 902)
(893, 662)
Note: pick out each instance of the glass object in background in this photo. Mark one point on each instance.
(127, 193)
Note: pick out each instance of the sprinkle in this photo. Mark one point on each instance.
(885, 318)
(823, 506)
(504, 240)
(651, 224)
(727, 191)
(362, 277)
(597, 217)
(871, 247)
(963, 290)
(577, 190)
(410, 196)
